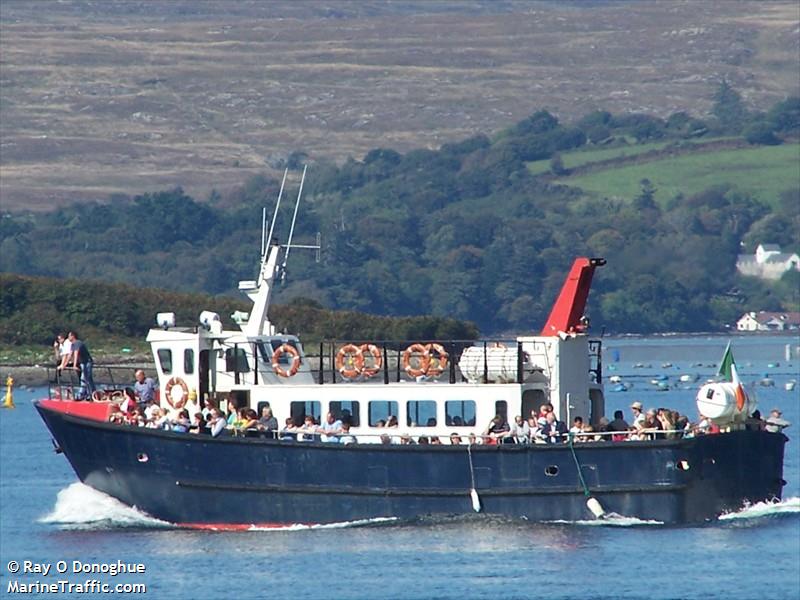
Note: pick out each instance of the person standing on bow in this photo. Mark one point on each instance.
(83, 360)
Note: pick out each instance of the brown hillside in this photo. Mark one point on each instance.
(105, 97)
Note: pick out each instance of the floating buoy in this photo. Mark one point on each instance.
(9, 401)
(789, 385)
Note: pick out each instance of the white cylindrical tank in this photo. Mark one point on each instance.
(717, 401)
(501, 364)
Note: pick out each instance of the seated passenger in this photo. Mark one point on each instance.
(455, 439)
(423, 440)
(267, 422)
(435, 440)
(588, 429)
(497, 429)
(775, 422)
(664, 417)
(520, 430)
(233, 414)
(217, 423)
(249, 420)
(407, 440)
(386, 439)
(330, 428)
(577, 427)
(652, 430)
(619, 426)
(474, 440)
(208, 404)
(346, 437)
(392, 422)
(554, 430)
(289, 430)
(307, 432)
(182, 423)
(198, 424)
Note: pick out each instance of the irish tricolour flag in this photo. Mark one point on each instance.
(727, 369)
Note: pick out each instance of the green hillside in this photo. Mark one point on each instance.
(763, 172)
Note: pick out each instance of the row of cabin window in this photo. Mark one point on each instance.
(419, 413)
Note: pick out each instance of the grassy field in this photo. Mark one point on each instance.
(587, 156)
(763, 171)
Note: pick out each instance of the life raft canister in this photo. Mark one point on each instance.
(377, 360)
(424, 360)
(178, 385)
(278, 354)
(350, 361)
(438, 359)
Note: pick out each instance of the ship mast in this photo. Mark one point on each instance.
(260, 291)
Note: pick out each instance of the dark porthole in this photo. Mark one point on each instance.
(551, 471)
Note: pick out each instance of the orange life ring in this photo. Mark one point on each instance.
(424, 361)
(377, 360)
(184, 389)
(276, 357)
(438, 360)
(350, 361)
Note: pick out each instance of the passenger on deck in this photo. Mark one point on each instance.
(386, 439)
(754, 422)
(577, 427)
(218, 423)
(308, 431)
(248, 421)
(289, 430)
(554, 430)
(233, 415)
(346, 437)
(652, 430)
(455, 439)
(775, 422)
(619, 426)
(82, 359)
(62, 348)
(208, 405)
(407, 440)
(520, 430)
(667, 424)
(496, 430)
(588, 429)
(392, 422)
(144, 387)
(182, 423)
(638, 415)
(267, 422)
(474, 440)
(330, 428)
(198, 424)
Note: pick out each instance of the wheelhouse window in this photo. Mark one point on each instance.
(421, 413)
(188, 361)
(236, 360)
(459, 413)
(381, 410)
(347, 411)
(165, 359)
(301, 409)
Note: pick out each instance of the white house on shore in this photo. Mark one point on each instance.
(769, 321)
(768, 262)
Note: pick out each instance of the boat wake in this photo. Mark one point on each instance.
(609, 520)
(764, 510)
(80, 507)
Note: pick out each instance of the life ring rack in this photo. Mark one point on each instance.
(377, 360)
(424, 361)
(350, 361)
(439, 359)
(276, 358)
(184, 389)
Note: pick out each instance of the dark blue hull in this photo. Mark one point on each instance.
(196, 480)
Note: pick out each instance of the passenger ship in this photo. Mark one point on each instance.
(433, 389)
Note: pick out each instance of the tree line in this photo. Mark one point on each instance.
(463, 232)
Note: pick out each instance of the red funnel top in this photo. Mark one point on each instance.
(568, 309)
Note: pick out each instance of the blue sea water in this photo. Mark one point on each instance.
(46, 516)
